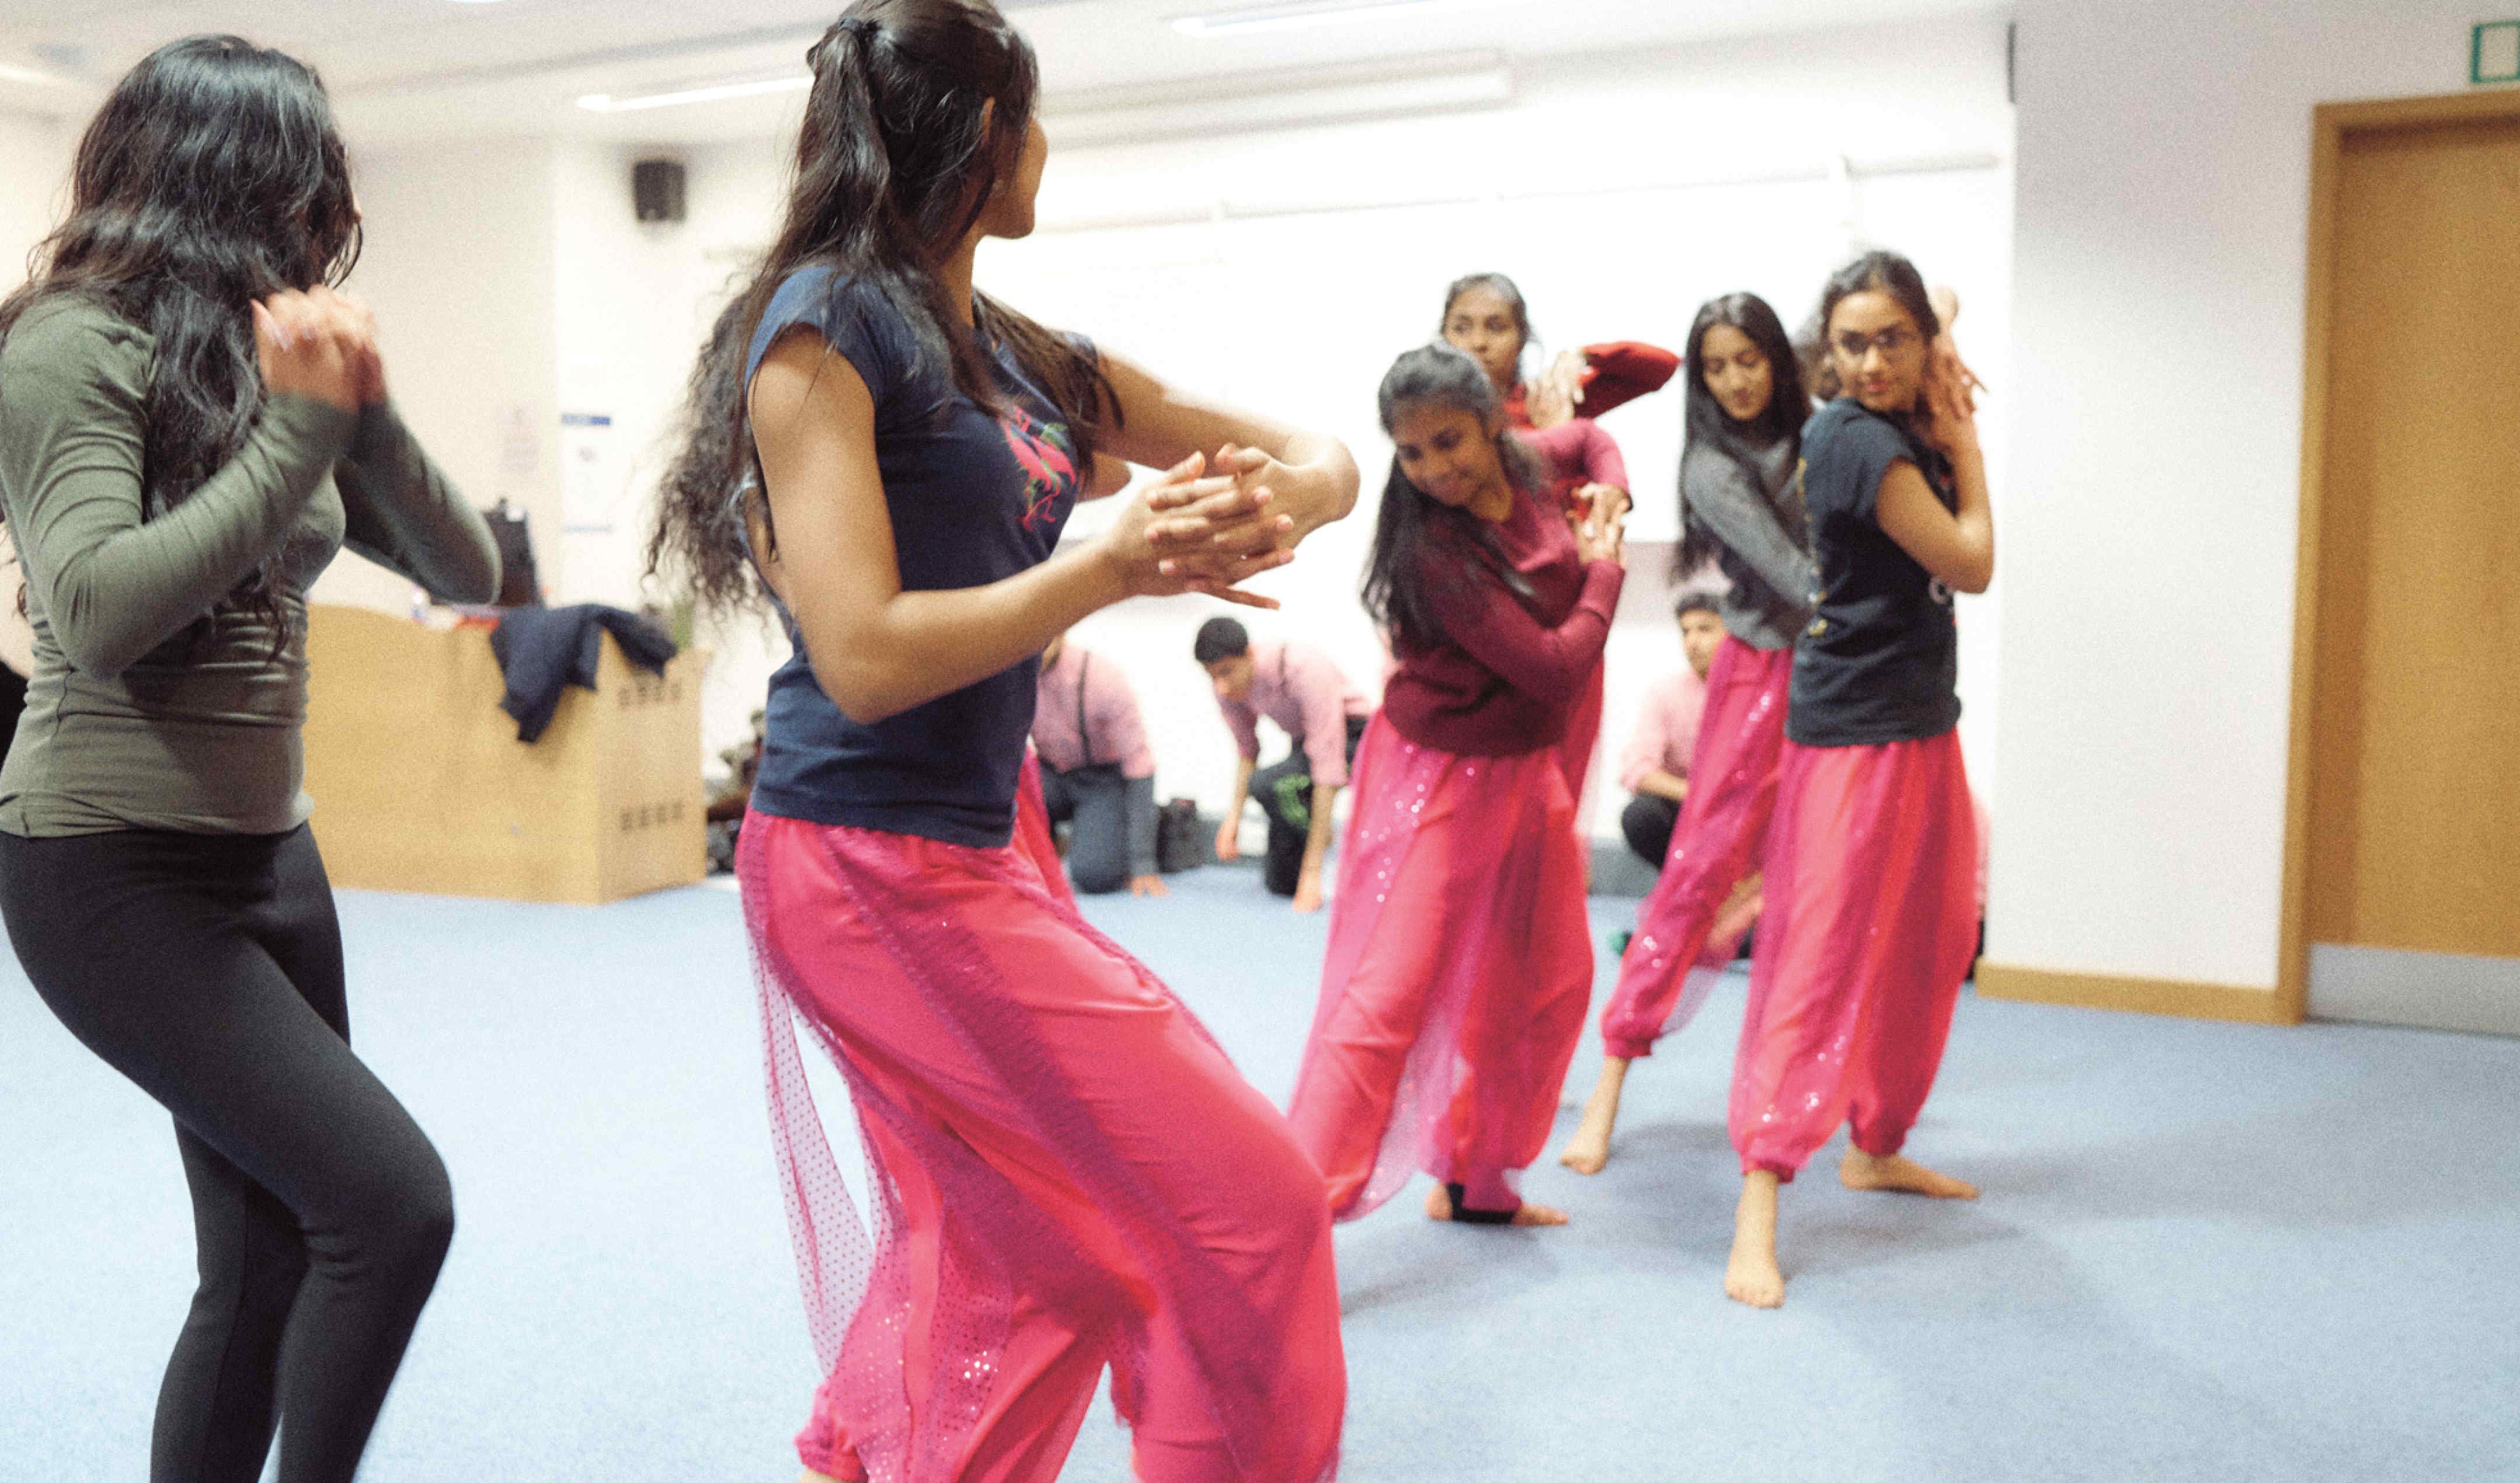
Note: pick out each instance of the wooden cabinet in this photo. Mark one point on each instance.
(421, 784)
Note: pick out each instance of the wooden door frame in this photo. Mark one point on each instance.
(2330, 123)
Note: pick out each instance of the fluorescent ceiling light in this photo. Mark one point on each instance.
(1301, 14)
(28, 75)
(714, 92)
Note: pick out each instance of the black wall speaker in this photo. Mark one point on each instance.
(657, 190)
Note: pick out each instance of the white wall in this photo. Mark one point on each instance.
(34, 171)
(34, 168)
(513, 285)
(458, 267)
(2147, 525)
(634, 301)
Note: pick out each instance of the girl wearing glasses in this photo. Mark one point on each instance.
(1870, 878)
(1740, 509)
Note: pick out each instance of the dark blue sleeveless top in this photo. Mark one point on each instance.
(974, 499)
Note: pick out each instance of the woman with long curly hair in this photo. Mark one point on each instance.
(191, 424)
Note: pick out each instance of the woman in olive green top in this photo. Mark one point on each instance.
(191, 424)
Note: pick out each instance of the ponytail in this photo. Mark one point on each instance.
(917, 115)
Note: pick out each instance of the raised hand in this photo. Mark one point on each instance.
(1946, 351)
(356, 320)
(1557, 392)
(1950, 400)
(304, 348)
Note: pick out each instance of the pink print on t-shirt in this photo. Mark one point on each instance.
(1048, 458)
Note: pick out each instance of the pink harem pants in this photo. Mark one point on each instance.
(1870, 925)
(1685, 932)
(1067, 1173)
(1459, 967)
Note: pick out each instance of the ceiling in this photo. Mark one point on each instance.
(405, 71)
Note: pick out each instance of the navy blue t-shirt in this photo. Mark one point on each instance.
(1881, 660)
(974, 499)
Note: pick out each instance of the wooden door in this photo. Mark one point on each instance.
(2413, 908)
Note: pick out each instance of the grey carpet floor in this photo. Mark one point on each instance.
(2205, 1252)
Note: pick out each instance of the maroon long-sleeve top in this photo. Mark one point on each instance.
(1577, 453)
(1511, 670)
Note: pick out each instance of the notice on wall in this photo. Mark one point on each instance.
(2494, 52)
(591, 479)
(520, 448)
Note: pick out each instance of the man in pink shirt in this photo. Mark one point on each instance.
(1301, 689)
(1098, 774)
(1655, 765)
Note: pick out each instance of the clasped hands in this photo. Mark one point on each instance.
(1598, 522)
(1209, 525)
(1951, 398)
(1950, 388)
(321, 344)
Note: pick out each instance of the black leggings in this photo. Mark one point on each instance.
(208, 968)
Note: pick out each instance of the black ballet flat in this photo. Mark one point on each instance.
(1470, 1217)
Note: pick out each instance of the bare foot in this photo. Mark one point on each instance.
(1590, 1148)
(1752, 1276)
(1439, 1207)
(1863, 1171)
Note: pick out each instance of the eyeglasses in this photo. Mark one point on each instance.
(1892, 343)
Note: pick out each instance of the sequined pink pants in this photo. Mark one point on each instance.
(1459, 967)
(1685, 933)
(1870, 926)
(1067, 1173)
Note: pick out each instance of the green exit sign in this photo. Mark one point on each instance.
(2494, 52)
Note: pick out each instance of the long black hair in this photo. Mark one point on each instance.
(1875, 272)
(1709, 427)
(1420, 543)
(1503, 288)
(211, 177)
(895, 165)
